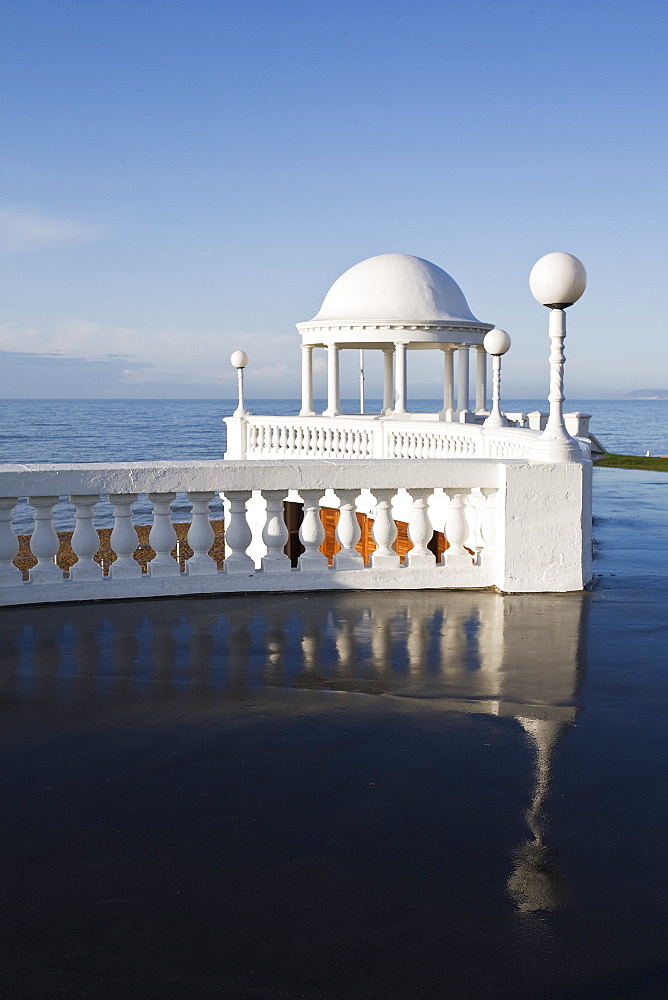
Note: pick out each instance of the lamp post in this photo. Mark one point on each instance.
(557, 281)
(496, 343)
(239, 360)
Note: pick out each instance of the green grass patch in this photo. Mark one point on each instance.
(649, 464)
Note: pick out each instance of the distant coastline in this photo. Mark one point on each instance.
(647, 394)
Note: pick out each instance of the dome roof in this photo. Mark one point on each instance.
(395, 288)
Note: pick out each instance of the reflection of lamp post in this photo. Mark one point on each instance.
(557, 281)
(496, 343)
(239, 360)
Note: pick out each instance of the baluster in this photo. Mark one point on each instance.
(384, 531)
(85, 540)
(420, 532)
(162, 536)
(123, 539)
(9, 544)
(44, 543)
(473, 511)
(275, 533)
(348, 532)
(457, 529)
(238, 535)
(312, 532)
(488, 521)
(201, 536)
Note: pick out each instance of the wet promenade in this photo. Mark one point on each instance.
(377, 795)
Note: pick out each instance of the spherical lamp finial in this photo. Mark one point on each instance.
(496, 342)
(557, 280)
(239, 359)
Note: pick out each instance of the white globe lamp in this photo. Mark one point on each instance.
(239, 360)
(557, 280)
(496, 343)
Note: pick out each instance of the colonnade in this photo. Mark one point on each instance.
(395, 380)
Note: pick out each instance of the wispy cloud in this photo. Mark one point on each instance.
(22, 230)
(166, 355)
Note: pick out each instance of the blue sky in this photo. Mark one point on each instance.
(186, 178)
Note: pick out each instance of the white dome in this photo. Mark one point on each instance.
(395, 288)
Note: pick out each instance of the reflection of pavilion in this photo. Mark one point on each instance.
(467, 652)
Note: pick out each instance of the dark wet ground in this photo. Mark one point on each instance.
(345, 796)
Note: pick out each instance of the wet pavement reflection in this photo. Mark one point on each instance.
(342, 795)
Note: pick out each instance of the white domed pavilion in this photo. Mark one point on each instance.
(396, 303)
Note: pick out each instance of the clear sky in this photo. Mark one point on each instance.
(186, 177)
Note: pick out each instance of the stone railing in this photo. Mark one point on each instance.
(343, 437)
(490, 512)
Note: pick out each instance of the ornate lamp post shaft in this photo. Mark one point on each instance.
(496, 343)
(239, 360)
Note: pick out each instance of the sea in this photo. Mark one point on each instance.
(134, 430)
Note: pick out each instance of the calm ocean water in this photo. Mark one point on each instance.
(128, 430)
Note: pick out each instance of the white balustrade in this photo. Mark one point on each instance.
(238, 535)
(384, 531)
(275, 534)
(312, 532)
(352, 436)
(420, 532)
(481, 504)
(9, 544)
(348, 532)
(85, 540)
(201, 536)
(44, 543)
(123, 539)
(162, 537)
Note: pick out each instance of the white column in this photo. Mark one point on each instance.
(275, 534)
(388, 379)
(312, 533)
(462, 381)
(481, 380)
(238, 534)
(9, 544)
(45, 543)
(124, 539)
(361, 381)
(420, 532)
(162, 537)
(85, 540)
(333, 393)
(201, 537)
(447, 412)
(348, 532)
(457, 529)
(307, 381)
(384, 531)
(400, 378)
